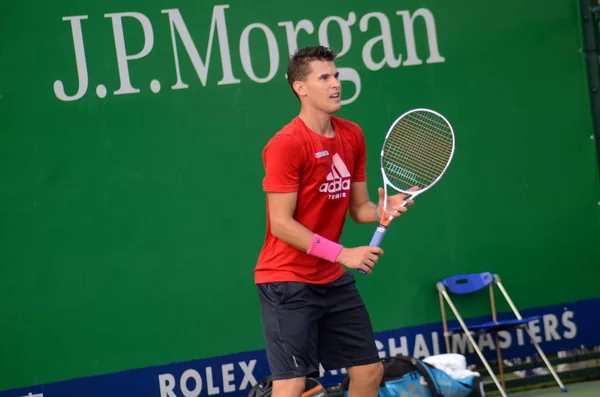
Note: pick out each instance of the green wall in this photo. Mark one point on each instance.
(130, 223)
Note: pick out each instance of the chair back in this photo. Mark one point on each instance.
(462, 284)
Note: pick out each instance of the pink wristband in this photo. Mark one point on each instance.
(323, 248)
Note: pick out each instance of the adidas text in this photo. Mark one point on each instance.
(337, 188)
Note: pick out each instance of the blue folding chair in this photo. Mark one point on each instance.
(464, 284)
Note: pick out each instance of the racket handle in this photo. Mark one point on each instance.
(376, 240)
(378, 236)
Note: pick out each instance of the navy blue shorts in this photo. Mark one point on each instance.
(305, 325)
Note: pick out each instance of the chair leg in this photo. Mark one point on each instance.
(500, 362)
(539, 350)
(444, 323)
(441, 288)
(498, 352)
(548, 365)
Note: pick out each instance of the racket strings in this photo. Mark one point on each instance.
(404, 179)
(434, 132)
(434, 159)
(396, 157)
(433, 136)
(402, 171)
(431, 155)
(425, 141)
(417, 150)
(435, 123)
(400, 165)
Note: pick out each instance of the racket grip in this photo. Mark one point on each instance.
(378, 236)
(376, 240)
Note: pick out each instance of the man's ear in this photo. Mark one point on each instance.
(300, 88)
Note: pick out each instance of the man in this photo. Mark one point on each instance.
(314, 175)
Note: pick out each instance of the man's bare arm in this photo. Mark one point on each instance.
(283, 224)
(362, 209)
(286, 228)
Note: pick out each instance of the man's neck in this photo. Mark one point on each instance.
(318, 122)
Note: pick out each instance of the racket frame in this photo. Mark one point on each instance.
(385, 219)
(386, 180)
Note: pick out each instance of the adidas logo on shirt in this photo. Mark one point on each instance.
(338, 180)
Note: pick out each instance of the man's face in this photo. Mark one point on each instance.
(322, 88)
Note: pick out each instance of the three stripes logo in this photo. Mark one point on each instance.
(338, 180)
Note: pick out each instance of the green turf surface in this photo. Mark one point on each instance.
(582, 389)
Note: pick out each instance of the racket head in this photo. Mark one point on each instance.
(417, 151)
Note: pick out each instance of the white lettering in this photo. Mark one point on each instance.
(436, 343)
(346, 74)
(335, 186)
(550, 326)
(409, 37)
(191, 382)
(292, 31)
(227, 371)
(344, 30)
(386, 40)
(381, 349)
(402, 349)
(322, 153)
(122, 57)
(247, 59)
(80, 61)
(460, 342)
(247, 369)
(183, 383)
(520, 338)
(485, 341)
(505, 339)
(377, 52)
(333, 372)
(570, 325)
(218, 23)
(351, 75)
(420, 349)
(534, 330)
(209, 382)
(166, 384)
(396, 346)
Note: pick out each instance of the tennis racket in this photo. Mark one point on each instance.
(417, 150)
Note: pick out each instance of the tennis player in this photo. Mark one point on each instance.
(311, 310)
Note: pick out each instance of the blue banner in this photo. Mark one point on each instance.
(559, 327)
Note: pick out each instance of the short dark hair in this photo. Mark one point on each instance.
(298, 66)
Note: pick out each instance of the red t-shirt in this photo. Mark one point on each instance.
(321, 170)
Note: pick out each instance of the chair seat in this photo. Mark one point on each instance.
(495, 325)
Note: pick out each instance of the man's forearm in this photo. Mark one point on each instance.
(293, 233)
(301, 238)
(367, 212)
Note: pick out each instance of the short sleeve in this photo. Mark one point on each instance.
(283, 157)
(360, 163)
